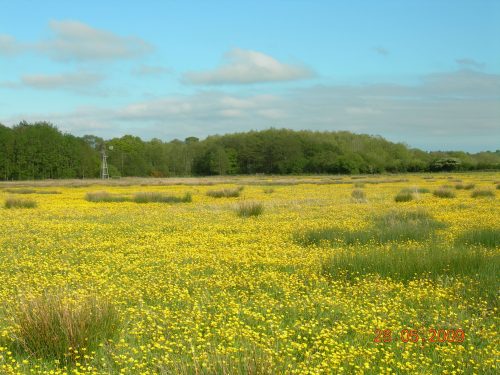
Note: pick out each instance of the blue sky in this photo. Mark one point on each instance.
(426, 73)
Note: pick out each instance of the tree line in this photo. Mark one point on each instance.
(41, 151)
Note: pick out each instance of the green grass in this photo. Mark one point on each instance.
(247, 209)
(444, 192)
(19, 203)
(405, 195)
(225, 193)
(393, 226)
(482, 193)
(104, 196)
(487, 237)
(49, 325)
(157, 197)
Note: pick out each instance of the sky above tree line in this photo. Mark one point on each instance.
(424, 72)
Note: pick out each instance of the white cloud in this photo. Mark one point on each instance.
(469, 63)
(150, 70)
(245, 66)
(61, 81)
(9, 46)
(455, 110)
(76, 41)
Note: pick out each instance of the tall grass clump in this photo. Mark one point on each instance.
(19, 203)
(482, 193)
(21, 191)
(405, 195)
(225, 193)
(393, 226)
(406, 264)
(49, 325)
(156, 197)
(444, 192)
(104, 196)
(358, 195)
(268, 190)
(487, 237)
(247, 209)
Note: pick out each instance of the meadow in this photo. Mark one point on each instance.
(251, 275)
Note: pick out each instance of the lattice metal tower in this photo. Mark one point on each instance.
(104, 164)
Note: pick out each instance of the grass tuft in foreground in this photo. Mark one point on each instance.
(49, 325)
(225, 193)
(487, 237)
(247, 209)
(394, 226)
(19, 203)
(482, 193)
(156, 197)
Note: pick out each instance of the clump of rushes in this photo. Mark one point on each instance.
(444, 192)
(498, 186)
(21, 191)
(393, 226)
(423, 190)
(480, 193)
(104, 196)
(48, 192)
(406, 263)
(465, 186)
(487, 237)
(359, 185)
(19, 203)
(405, 195)
(48, 326)
(358, 195)
(157, 197)
(268, 190)
(247, 209)
(225, 193)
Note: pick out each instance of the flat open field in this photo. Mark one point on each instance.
(321, 275)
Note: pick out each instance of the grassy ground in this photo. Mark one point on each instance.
(194, 288)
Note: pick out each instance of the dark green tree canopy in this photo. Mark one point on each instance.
(39, 150)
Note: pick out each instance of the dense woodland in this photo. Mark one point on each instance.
(41, 151)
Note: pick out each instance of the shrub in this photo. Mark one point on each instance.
(225, 193)
(394, 226)
(19, 203)
(358, 195)
(247, 209)
(404, 195)
(487, 237)
(50, 324)
(156, 197)
(444, 192)
(479, 193)
(104, 196)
